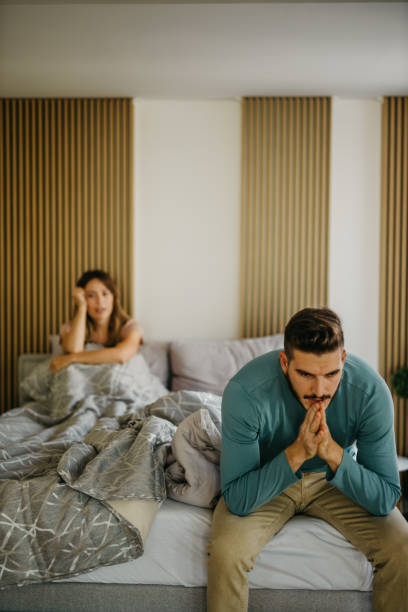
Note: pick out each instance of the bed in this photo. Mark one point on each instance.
(307, 565)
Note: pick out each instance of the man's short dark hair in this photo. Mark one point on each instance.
(313, 330)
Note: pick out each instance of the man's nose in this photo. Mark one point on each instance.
(318, 387)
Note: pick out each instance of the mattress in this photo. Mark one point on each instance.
(307, 553)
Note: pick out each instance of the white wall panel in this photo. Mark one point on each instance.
(187, 215)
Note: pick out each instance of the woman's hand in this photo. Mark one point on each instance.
(79, 297)
(60, 362)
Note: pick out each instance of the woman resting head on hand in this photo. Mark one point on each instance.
(100, 319)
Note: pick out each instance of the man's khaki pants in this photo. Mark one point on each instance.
(236, 541)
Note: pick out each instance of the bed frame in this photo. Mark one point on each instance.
(94, 597)
(85, 597)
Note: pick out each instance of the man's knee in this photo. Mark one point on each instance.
(394, 550)
(397, 553)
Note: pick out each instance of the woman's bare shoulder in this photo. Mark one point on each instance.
(130, 326)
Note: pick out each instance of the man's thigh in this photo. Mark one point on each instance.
(247, 535)
(375, 536)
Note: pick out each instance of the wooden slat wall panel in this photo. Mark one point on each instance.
(394, 254)
(285, 210)
(66, 206)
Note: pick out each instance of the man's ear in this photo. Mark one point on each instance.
(343, 357)
(283, 358)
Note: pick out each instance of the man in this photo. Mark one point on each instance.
(289, 421)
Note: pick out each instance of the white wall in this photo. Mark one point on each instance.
(355, 222)
(187, 218)
(187, 223)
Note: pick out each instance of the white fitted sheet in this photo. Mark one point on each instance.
(307, 553)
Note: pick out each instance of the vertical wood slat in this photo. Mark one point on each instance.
(21, 245)
(296, 200)
(28, 217)
(394, 253)
(46, 269)
(2, 242)
(7, 255)
(257, 204)
(32, 203)
(13, 235)
(40, 331)
(285, 199)
(66, 206)
(128, 135)
(283, 211)
(278, 213)
(59, 229)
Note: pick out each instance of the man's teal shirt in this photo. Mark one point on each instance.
(261, 417)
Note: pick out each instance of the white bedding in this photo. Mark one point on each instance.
(306, 554)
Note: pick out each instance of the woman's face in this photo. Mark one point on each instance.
(99, 301)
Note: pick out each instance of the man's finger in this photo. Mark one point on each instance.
(310, 414)
(315, 424)
(320, 436)
(309, 422)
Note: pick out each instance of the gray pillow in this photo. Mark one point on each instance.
(37, 384)
(156, 355)
(55, 345)
(26, 364)
(208, 366)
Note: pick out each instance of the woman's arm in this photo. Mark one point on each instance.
(73, 341)
(124, 350)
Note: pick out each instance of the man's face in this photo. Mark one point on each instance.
(314, 378)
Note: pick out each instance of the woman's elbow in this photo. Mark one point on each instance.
(71, 348)
(124, 355)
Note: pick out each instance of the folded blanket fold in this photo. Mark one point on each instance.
(193, 477)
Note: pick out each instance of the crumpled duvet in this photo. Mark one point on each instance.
(92, 435)
(193, 474)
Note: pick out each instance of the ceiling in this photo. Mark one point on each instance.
(202, 50)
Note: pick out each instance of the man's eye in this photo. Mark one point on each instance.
(304, 374)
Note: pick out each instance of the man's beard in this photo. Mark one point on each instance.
(309, 397)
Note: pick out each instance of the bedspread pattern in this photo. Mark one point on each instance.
(93, 434)
(90, 434)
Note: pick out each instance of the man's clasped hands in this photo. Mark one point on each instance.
(314, 438)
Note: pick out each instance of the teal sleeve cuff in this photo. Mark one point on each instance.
(289, 474)
(258, 486)
(337, 478)
(366, 487)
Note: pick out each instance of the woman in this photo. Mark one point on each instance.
(100, 319)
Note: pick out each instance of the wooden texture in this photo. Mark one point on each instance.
(394, 254)
(285, 210)
(66, 207)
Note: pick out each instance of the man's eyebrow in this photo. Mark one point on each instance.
(336, 371)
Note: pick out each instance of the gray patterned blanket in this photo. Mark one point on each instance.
(90, 435)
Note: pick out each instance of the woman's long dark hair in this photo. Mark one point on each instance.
(118, 317)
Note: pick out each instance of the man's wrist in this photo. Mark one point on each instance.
(295, 456)
(334, 457)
